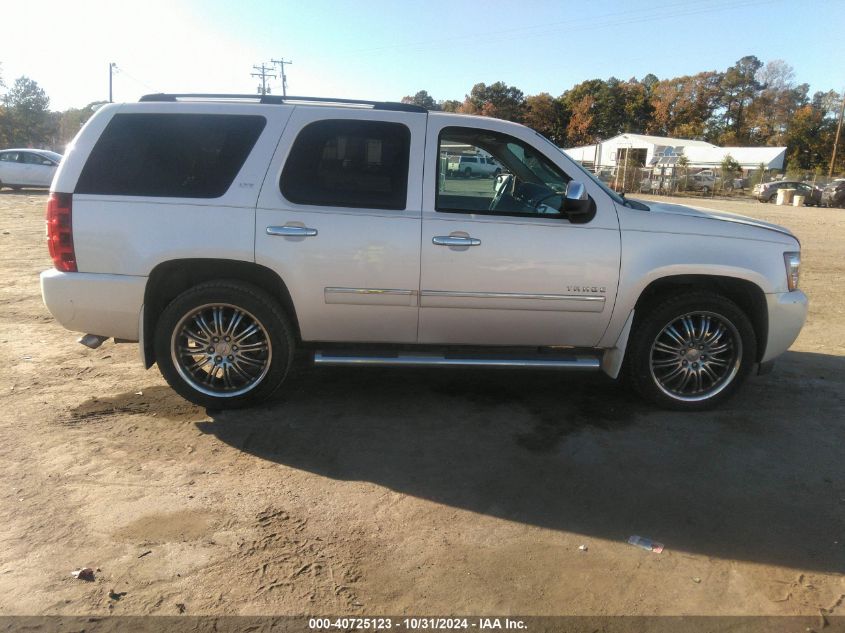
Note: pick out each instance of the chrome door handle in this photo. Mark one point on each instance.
(451, 240)
(291, 231)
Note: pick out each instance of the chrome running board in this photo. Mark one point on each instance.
(440, 360)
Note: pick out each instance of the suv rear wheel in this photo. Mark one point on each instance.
(224, 344)
(691, 352)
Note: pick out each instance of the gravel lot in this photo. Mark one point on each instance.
(420, 492)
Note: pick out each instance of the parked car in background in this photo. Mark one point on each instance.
(703, 181)
(468, 166)
(833, 195)
(768, 191)
(27, 167)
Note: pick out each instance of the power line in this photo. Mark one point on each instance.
(263, 89)
(616, 18)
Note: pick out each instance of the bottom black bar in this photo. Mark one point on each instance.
(295, 624)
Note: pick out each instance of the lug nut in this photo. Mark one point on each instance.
(685, 363)
(230, 357)
(235, 348)
(695, 365)
(226, 339)
(218, 358)
(216, 340)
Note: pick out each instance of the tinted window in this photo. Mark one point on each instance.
(346, 163)
(170, 155)
(9, 157)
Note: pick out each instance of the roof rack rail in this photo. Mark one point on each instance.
(277, 100)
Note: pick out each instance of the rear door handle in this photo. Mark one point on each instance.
(291, 231)
(451, 240)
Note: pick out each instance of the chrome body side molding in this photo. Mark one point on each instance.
(511, 301)
(370, 296)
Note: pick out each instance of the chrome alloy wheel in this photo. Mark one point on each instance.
(695, 356)
(221, 350)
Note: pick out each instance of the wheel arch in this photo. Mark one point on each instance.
(746, 294)
(169, 279)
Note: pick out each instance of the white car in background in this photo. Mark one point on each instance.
(27, 167)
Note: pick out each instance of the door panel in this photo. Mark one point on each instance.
(536, 280)
(356, 278)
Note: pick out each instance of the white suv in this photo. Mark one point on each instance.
(224, 232)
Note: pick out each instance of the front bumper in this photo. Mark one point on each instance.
(94, 303)
(787, 314)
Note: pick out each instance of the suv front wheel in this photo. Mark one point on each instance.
(224, 344)
(690, 352)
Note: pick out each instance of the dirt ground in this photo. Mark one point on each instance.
(416, 492)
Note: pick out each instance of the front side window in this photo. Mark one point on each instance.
(170, 155)
(30, 158)
(526, 184)
(349, 163)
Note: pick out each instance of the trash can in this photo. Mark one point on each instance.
(798, 201)
(785, 196)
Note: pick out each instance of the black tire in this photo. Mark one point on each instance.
(467, 173)
(648, 367)
(242, 377)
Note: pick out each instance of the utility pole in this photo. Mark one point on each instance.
(836, 139)
(281, 64)
(112, 68)
(263, 89)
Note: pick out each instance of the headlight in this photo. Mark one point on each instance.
(793, 268)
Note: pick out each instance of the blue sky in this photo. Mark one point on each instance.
(384, 50)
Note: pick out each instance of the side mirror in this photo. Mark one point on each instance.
(577, 206)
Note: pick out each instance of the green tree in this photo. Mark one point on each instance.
(496, 100)
(69, 122)
(739, 87)
(683, 164)
(26, 116)
(450, 105)
(422, 99)
(729, 170)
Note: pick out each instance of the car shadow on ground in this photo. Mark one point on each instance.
(760, 479)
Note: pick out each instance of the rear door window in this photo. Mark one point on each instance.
(349, 163)
(170, 155)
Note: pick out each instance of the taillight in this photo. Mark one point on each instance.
(60, 232)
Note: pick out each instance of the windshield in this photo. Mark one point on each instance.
(633, 204)
(56, 157)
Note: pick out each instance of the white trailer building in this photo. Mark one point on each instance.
(648, 150)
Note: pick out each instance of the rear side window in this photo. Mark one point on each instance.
(170, 155)
(345, 163)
